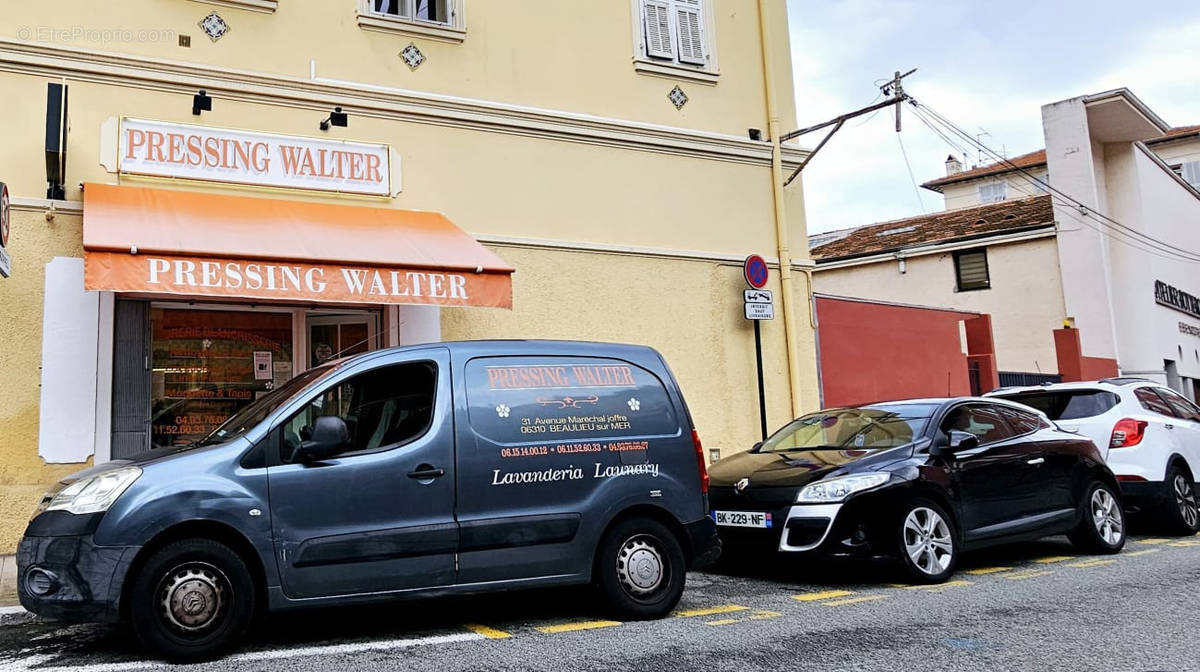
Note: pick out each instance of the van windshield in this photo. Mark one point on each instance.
(239, 423)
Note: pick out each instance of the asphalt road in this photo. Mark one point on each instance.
(1035, 606)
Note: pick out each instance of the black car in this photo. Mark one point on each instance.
(920, 480)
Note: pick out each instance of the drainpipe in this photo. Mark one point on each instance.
(781, 233)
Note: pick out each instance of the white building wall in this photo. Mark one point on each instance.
(966, 194)
(1025, 300)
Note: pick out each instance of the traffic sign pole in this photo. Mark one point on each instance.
(762, 393)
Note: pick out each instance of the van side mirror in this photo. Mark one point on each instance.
(330, 436)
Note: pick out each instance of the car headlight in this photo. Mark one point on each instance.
(837, 489)
(95, 493)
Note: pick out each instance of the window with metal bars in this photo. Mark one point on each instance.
(971, 270)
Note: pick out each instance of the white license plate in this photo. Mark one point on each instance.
(742, 518)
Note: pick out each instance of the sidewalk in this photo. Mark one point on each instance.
(8, 582)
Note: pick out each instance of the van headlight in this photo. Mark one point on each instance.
(838, 489)
(95, 493)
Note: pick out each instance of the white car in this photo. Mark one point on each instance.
(1149, 435)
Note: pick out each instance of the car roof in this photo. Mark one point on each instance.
(1105, 384)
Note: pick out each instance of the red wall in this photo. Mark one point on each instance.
(876, 352)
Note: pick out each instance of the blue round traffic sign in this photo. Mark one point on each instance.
(756, 271)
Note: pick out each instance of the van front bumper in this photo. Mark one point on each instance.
(70, 578)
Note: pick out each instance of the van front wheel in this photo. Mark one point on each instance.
(191, 600)
(640, 568)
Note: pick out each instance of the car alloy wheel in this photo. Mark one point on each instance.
(640, 566)
(927, 541)
(193, 598)
(1107, 517)
(1185, 498)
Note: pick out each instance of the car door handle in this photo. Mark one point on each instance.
(426, 472)
(1169, 426)
(1036, 460)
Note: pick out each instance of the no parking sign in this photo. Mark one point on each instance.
(755, 268)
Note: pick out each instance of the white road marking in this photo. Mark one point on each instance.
(25, 664)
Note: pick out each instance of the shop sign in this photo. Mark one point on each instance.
(186, 151)
(1172, 297)
(290, 281)
(5, 219)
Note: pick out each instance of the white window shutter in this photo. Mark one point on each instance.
(1191, 173)
(656, 19)
(691, 36)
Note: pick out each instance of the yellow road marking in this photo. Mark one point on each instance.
(854, 600)
(1144, 551)
(823, 595)
(763, 614)
(1151, 542)
(723, 609)
(490, 633)
(723, 621)
(1091, 563)
(573, 627)
(1185, 544)
(988, 570)
(1027, 574)
(1054, 558)
(937, 587)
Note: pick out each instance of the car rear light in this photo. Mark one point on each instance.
(700, 461)
(1129, 477)
(1128, 432)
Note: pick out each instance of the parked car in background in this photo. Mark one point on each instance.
(1149, 434)
(425, 470)
(921, 481)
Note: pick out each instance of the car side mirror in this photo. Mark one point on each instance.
(960, 441)
(330, 436)
(757, 445)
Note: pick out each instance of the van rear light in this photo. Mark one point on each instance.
(1128, 432)
(700, 461)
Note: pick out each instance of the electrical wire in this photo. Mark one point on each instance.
(907, 164)
(924, 111)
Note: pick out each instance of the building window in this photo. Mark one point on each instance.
(1041, 184)
(1190, 172)
(971, 270)
(674, 37)
(993, 192)
(437, 19)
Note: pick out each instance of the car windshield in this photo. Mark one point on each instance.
(1067, 404)
(239, 423)
(875, 427)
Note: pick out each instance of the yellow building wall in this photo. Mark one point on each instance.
(665, 228)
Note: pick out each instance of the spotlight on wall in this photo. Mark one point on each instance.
(201, 102)
(336, 118)
(755, 133)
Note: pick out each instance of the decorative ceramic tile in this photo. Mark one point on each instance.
(412, 56)
(214, 26)
(677, 97)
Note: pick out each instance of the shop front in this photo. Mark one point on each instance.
(218, 299)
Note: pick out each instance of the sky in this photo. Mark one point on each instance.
(988, 67)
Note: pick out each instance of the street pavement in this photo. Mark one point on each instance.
(1036, 606)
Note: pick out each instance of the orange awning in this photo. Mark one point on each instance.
(138, 239)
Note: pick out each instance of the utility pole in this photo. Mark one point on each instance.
(894, 89)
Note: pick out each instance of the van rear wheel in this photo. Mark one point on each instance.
(640, 569)
(192, 600)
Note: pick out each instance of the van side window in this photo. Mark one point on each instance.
(383, 408)
(515, 400)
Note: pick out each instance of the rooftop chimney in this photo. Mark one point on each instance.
(953, 165)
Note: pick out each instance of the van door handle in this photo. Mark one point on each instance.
(1036, 460)
(425, 472)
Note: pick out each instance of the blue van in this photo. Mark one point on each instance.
(425, 470)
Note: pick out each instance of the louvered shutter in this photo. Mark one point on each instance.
(972, 270)
(656, 17)
(1191, 173)
(691, 37)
